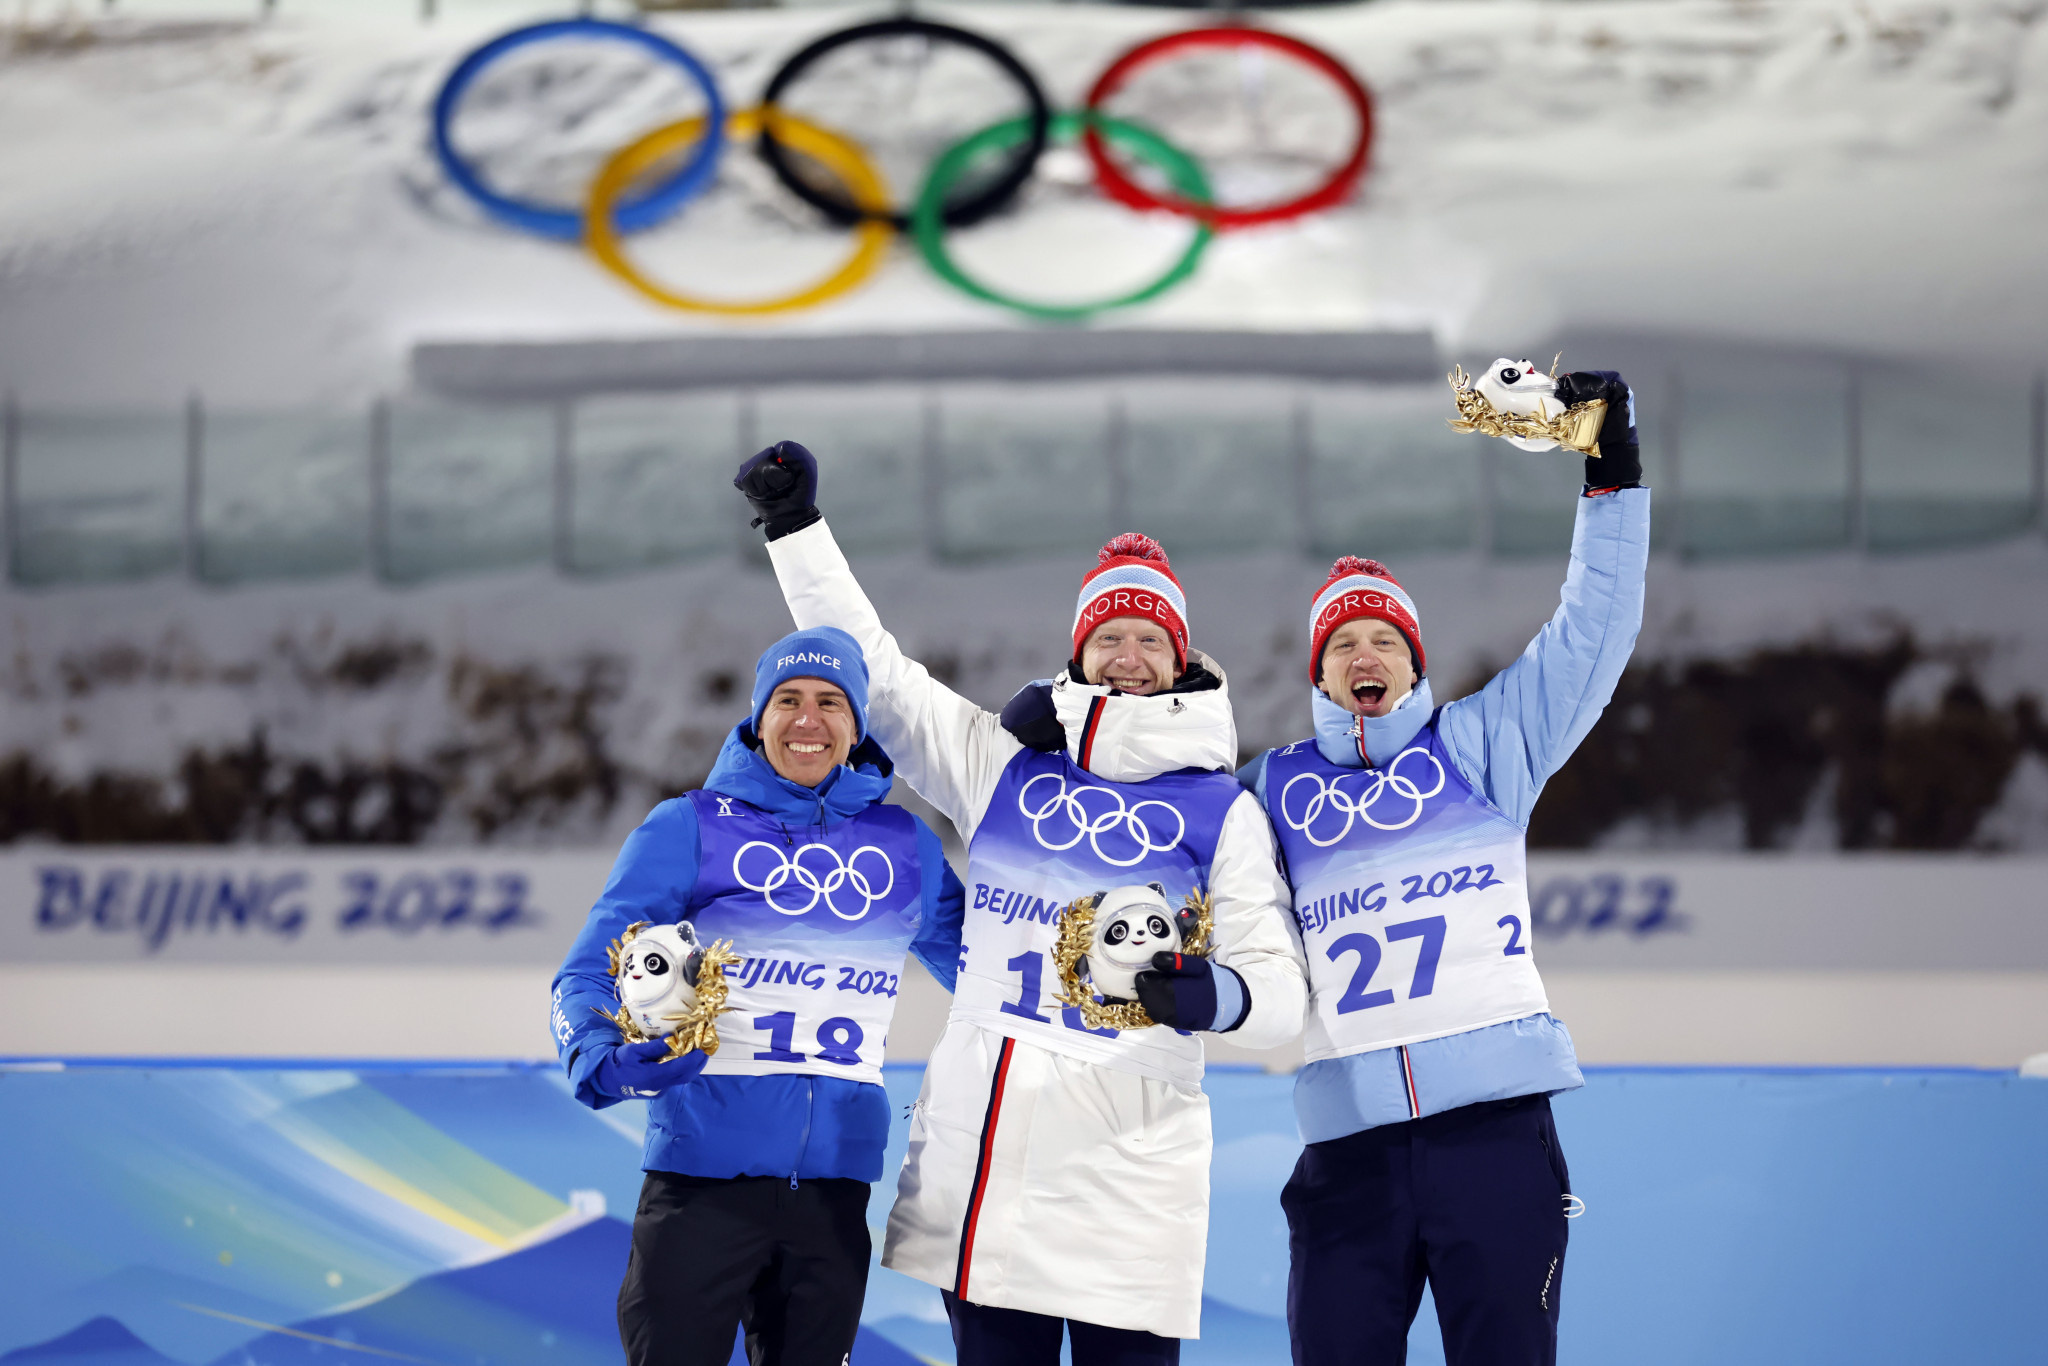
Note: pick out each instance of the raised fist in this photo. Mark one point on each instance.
(781, 485)
(1621, 456)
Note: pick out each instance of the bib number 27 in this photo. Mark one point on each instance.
(1358, 996)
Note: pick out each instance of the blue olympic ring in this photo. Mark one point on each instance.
(640, 211)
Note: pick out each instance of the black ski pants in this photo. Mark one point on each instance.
(790, 1262)
(1470, 1201)
(986, 1336)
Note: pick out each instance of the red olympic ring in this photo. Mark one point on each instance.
(1331, 192)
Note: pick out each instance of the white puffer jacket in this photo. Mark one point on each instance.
(1054, 1169)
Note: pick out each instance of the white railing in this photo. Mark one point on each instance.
(1773, 462)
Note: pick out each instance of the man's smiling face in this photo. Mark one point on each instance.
(807, 730)
(1133, 654)
(1367, 667)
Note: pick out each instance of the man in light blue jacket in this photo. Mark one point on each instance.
(1431, 1052)
(758, 1160)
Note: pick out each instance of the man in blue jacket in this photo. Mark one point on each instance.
(1431, 1052)
(758, 1160)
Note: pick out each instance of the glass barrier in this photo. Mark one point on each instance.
(282, 494)
(1208, 466)
(95, 496)
(465, 488)
(1774, 460)
(1023, 469)
(639, 470)
(1947, 459)
(1385, 475)
(872, 441)
(1764, 457)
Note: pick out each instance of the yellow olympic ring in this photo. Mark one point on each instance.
(837, 154)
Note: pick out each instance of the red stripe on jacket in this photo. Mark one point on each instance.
(981, 1166)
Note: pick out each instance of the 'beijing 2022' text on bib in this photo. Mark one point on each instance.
(1412, 895)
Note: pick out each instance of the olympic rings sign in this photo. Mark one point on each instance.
(1360, 806)
(1120, 187)
(822, 885)
(1069, 809)
(617, 204)
(645, 209)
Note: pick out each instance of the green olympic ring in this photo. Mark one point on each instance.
(927, 221)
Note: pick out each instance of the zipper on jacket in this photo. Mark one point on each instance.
(803, 1142)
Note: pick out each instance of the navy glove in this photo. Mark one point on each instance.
(637, 1069)
(1620, 465)
(781, 484)
(1193, 993)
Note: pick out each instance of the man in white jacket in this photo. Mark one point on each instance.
(1057, 1172)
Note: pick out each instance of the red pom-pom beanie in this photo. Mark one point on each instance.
(1361, 588)
(1132, 579)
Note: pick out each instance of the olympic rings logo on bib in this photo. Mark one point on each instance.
(823, 884)
(1363, 806)
(1126, 822)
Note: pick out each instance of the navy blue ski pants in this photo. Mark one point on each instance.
(984, 1336)
(1470, 1201)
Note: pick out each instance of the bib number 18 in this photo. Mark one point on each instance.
(839, 1039)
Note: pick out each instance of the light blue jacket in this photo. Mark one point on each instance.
(1505, 740)
(794, 1126)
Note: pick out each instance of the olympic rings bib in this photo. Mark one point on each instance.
(1362, 800)
(1411, 892)
(778, 868)
(1054, 832)
(1068, 808)
(821, 920)
(842, 158)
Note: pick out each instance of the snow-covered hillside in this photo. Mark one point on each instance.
(530, 708)
(252, 209)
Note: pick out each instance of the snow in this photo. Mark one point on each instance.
(252, 209)
(129, 678)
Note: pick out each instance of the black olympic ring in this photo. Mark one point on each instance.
(974, 208)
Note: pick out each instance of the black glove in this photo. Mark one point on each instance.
(781, 484)
(1181, 991)
(1621, 455)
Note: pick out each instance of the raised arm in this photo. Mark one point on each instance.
(949, 750)
(1510, 736)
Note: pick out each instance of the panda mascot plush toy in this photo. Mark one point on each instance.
(1132, 924)
(1518, 387)
(657, 978)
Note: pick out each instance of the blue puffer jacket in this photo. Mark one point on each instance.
(1505, 741)
(798, 1126)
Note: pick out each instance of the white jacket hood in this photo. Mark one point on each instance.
(1136, 737)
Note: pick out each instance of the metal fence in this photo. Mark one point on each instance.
(1772, 462)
